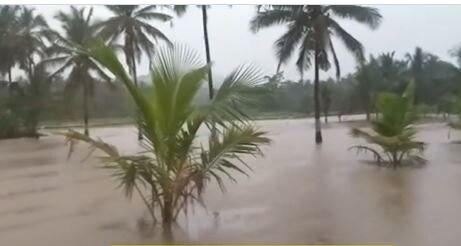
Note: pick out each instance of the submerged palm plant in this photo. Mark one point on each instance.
(176, 166)
(393, 131)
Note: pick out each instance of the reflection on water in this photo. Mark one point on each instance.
(298, 193)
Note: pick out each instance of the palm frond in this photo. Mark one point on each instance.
(107, 57)
(269, 18)
(366, 15)
(180, 10)
(153, 16)
(234, 93)
(335, 59)
(244, 140)
(286, 44)
(352, 44)
(363, 148)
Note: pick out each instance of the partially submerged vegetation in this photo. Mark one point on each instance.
(393, 131)
(175, 168)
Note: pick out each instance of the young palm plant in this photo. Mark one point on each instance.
(177, 166)
(393, 132)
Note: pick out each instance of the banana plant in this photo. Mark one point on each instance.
(393, 132)
(173, 171)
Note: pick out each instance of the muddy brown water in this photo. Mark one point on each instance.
(297, 193)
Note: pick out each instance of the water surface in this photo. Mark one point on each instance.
(297, 193)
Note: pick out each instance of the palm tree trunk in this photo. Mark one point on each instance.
(10, 81)
(207, 50)
(85, 106)
(135, 79)
(36, 104)
(318, 131)
(131, 62)
(167, 220)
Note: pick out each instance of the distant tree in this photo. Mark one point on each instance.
(79, 32)
(311, 27)
(368, 78)
(31, 37)
(8, 30)
(417, 62)
(22, 41)
(456, 53)
(131, 22)
(393, 73)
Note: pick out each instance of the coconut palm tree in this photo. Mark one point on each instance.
(32, 32)
(8, 24)
(416, 63)
(311, 28)
(130, 22)
(393, 72)
(368, 81)
(22, 39)
(78, 32)
(177, 166)
(393, 132)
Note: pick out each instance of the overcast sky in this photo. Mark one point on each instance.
(433, 27)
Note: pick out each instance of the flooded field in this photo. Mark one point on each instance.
(298, 193)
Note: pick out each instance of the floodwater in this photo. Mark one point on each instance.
(297, 193)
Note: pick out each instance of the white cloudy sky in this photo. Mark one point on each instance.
(433, 27)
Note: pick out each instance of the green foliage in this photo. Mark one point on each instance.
(279, 95)
(176, 165)
(9, 124)
(393, 131)
(23, 35)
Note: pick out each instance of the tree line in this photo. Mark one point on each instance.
(47, 56)
(437, 86)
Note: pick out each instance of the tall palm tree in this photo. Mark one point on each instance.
(79, 32)
(393, 72)
(8, 23)
(130, 22)
(32, 31)
(416, 63)
(311, 27)
(368, 80)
